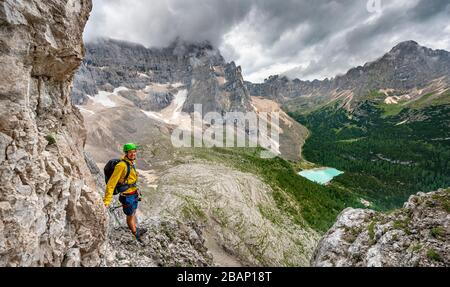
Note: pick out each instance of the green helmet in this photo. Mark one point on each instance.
(129, 146)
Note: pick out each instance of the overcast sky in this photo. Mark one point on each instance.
(305, 39)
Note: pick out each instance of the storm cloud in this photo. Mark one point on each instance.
(304, 39)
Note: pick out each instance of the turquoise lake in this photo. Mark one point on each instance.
(321, 175)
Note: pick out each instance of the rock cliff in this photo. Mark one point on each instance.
(50, 211)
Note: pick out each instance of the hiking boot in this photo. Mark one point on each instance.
(140, 233)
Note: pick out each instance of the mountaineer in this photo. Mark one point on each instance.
(121, 178)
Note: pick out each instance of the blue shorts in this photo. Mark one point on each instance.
(130, 203)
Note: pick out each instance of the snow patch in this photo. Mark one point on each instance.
(156, 116)
(177, 85)
(179, 100)
(142, 75)
(104, 98)
(119, 89)
(172, 114)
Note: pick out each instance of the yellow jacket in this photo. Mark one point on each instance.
(118, 176)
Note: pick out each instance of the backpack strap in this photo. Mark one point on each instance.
(125, 180)
(125, 186)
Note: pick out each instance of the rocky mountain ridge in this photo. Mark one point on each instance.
(199, 67)
(165, 84)
(408, 69)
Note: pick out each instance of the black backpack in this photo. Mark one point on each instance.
(109, 170)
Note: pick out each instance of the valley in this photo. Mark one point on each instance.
(386, 158)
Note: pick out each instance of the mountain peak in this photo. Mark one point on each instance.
(406, 47)
(406, 44)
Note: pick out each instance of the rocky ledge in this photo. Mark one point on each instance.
(415, 235)
(168, 243)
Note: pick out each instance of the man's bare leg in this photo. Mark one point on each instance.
(131, 222)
